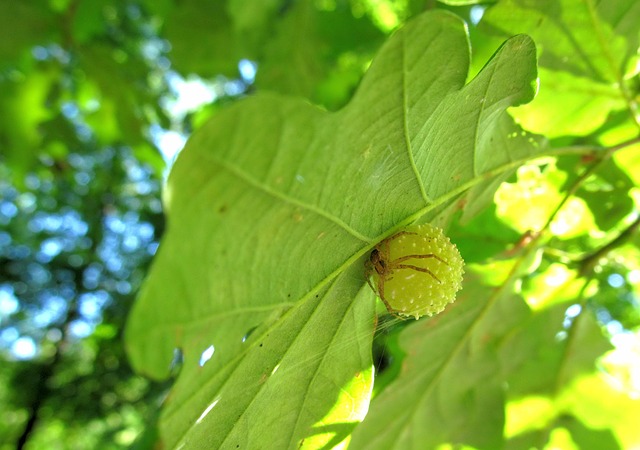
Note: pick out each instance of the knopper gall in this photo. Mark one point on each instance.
(415, 272)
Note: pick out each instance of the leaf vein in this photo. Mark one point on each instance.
(288, 199)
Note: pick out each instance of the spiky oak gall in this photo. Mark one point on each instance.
(416, 272)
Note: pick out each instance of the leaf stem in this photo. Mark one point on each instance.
(585, 149)
(576, 185)
(535, 238)
(587, 263)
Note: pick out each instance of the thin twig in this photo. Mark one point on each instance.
(587, 263)
(585, 149)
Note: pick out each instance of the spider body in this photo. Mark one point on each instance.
(415, 272)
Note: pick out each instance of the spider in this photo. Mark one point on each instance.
(380, 263)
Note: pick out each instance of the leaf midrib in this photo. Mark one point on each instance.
(405, 122)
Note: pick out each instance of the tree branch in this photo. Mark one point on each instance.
(587, 263)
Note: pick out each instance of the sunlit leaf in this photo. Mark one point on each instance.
(275, 203)
(449, 389)
(585, 48)
(616, 415)
(568, 104)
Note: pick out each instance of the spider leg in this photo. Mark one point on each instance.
(394, 237)
(419, 269)
(368, 272)
(392, 311)
(429, 255)
(389, 308)
(371, 285)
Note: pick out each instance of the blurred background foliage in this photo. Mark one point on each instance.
(97, 97)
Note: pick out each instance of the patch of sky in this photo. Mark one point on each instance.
(40, 53)
(24, 348)
(191, 94)
(91, 276)
(82, 178)
(123, 287)
(81, 329)
(476, 13)
(615, 280)
(248, 70)
(234, 87)
(152, 248)
(91, 304)
(570, 314)
(18, 252)
(9, 303)
(8, 336)
(8, 211)
(614, 327)
(70, 110)
(53, 310)
(67, 223)
(130, 243)
(32, 181)
(38, 274)
(5, 239)
(26, 202)
(51, 248)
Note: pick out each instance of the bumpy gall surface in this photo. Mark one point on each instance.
(417, 271)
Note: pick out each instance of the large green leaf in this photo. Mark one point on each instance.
(586, 50)
(549, 351)
(569, 105)
(546, 359)
(272, 208)
(450, 389)
(574, 35)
